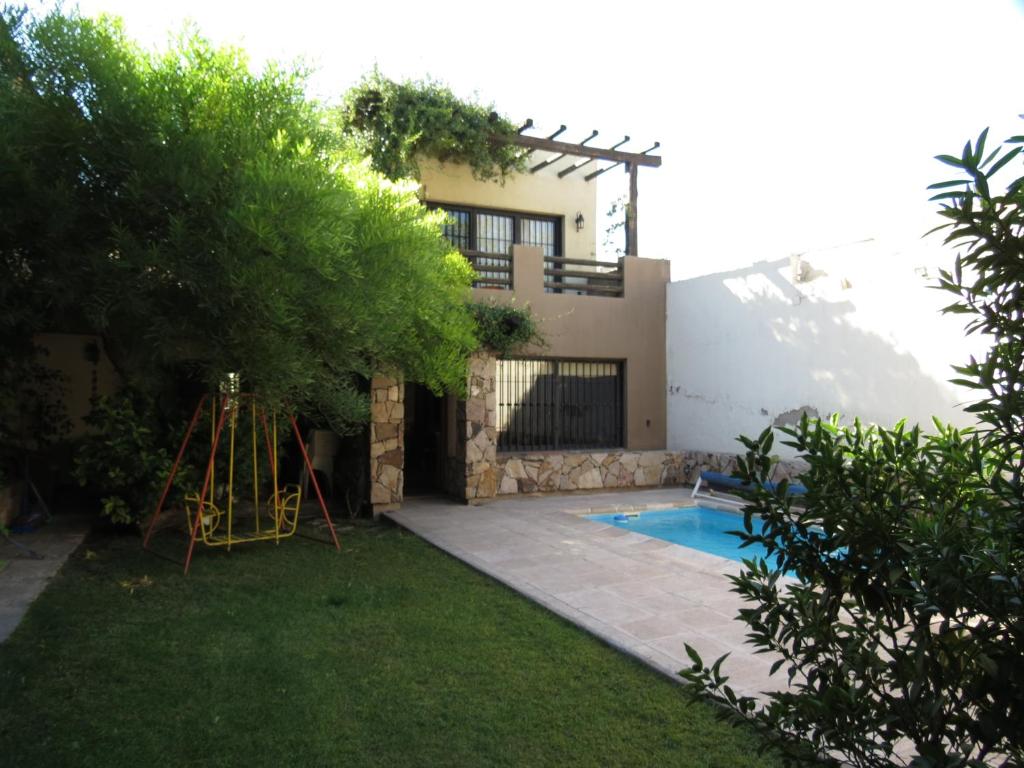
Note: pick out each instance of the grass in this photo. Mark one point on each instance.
(388, 654)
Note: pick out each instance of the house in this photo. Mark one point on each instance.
(584, 410)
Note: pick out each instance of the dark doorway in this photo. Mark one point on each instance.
(424, 441)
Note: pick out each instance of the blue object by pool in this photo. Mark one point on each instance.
(697, 527)
(722, 480)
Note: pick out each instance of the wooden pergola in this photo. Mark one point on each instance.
(562, 149)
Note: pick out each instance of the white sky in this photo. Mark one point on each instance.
(786, 126)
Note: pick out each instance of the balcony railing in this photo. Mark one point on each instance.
(492, 270)
(561, 275)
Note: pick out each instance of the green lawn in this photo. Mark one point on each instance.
(387, 654)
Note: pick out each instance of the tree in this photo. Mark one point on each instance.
(905, 627)
(208, 219)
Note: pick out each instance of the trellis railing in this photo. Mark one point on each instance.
(492, 270)
(561, 275)
(594, 278)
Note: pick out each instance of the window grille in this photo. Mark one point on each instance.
(539, 232)
(486, 238)
(457, 229)
(493, 233)
(559, 404)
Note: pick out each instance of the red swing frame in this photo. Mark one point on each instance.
(224, 402)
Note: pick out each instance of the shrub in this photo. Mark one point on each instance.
(394, 123)
(124, 459)
(201, 216)
(502, 328)
(906, 624)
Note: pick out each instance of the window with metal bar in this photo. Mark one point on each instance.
(486, 236)
(539, 232)
(559, 404)
(456, 229)
(493, 235)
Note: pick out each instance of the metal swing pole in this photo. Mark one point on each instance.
(255, 466)
(174, 471)
(316, 485)
(272, 464)
(206, 483)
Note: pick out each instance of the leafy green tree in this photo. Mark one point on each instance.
(904, 629)
(205, 218)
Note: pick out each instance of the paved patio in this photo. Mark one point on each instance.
(24, 578)
(644, 596)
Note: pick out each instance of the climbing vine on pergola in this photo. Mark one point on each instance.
(395, 123)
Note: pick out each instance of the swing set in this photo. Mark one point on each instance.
(272, 519)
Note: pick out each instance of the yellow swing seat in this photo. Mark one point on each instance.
(286, 518)
(273, 520)
(211, 518)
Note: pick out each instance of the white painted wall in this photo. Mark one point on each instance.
(858, 333)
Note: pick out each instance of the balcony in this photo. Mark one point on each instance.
(579, 277)
(601, 312)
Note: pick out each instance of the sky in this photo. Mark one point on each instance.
(786, 127)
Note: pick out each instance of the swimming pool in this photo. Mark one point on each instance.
(701, 528)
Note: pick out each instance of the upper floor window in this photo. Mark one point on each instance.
(485, 237)
(475, 230)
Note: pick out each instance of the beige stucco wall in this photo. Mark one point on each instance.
(68, 354)
(542, 192)
(630, 328)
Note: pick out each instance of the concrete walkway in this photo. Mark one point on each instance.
(24, 579)
(644, 596)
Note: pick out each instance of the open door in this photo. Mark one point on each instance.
(425, 426)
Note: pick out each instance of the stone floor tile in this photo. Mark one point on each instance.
(654, 586)
(616, 612)
(24, 579)
(644, 596)
(657, 626)
(664, 603)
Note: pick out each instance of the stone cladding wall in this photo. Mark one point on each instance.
(473, 471)
(586, 470)
(477, 472)
(387, 443)
(594, 470)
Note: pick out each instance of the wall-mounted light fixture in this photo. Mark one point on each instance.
(579, 222)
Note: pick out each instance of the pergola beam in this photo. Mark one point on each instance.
(580, 150)
(588, 161)
(631, 160)
(631, 212)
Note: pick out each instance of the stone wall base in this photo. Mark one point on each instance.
(387, 443)
(695, 462)
(551, 472)
(582, 471)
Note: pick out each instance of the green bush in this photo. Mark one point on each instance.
(204, 217)
(905, 627)
(125, 458)
(502, 328)
(395, 123)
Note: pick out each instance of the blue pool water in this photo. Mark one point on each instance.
(697, 527)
